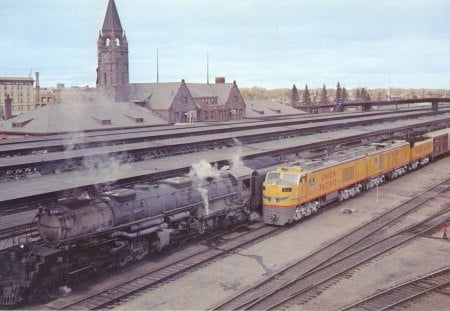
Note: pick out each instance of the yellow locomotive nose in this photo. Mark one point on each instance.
(277, 195)
(280, 195)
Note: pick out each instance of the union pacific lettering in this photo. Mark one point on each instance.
(328, 181)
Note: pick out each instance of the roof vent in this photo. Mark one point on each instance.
(21, 123)
(135, 119)
(258, 111)
(275, 110)
(102, 121)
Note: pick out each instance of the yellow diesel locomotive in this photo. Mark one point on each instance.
(300, 189)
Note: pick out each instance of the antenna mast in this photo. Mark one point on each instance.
(157, 66)
(207, 68)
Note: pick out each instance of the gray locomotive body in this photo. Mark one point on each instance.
(174, 204)
(83, 235)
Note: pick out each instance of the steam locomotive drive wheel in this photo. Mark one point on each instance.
(141, 252)
(41, 291)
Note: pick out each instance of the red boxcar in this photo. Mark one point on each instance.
(440, 142)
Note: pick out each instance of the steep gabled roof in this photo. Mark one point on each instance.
(112, 21)
(161, 95)
(221, 91)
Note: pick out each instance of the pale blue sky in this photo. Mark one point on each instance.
(267, 43)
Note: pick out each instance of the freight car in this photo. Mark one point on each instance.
(83, 235)
(298, 190)
(441, 142)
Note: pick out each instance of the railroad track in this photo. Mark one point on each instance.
(28, 229)
(65, 160)
(57, 143)
(11, 200)
(438, 281)
(299, 290)
(303, 277)
(114, 294)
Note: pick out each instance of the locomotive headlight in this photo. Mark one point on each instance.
(286, 190)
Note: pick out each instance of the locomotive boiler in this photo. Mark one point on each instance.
(86, 234)
(146, 208)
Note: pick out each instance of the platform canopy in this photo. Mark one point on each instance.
(80, 117)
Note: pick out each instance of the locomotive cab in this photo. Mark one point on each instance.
(283, 187)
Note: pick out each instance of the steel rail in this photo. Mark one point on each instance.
(294, 288)
(12, 232)
(343, 243)
(131, 286)
(404, 292)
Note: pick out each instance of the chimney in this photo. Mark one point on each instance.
(37, 96)
(220, 80)
(8, 102)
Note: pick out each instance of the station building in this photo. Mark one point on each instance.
(20, 90)
(175, 102)
(181, 102)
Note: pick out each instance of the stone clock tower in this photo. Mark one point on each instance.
(112, 70)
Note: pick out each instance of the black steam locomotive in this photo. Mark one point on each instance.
(82, 235)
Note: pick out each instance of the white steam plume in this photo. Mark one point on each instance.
(236, 159)
(199, 172)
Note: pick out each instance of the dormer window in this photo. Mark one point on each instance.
(107, 41)
(117, 42)
(209, 100)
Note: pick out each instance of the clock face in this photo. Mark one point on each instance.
(104, 57)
